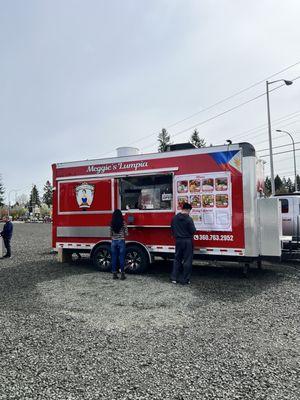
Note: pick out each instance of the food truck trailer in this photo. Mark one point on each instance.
(220, 182)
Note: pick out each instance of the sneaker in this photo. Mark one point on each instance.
(174, 282)
(115, 275)
(6, 256)
(123, 276)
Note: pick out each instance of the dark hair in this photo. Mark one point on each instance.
(186, 206)
(117, 221)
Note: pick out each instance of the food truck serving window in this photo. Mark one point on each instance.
(150, 192)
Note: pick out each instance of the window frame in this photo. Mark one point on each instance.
(282, 205)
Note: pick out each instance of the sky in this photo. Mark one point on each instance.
(80, 78)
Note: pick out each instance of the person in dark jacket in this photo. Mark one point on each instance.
(118, 232)
(7, 235)
(183, 229)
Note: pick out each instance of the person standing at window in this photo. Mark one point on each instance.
(183, 229)
(118, 232)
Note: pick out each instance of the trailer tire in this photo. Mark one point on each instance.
(137, 260)
(102, 258)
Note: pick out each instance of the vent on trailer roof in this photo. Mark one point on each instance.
(127, 151)
(180, 146)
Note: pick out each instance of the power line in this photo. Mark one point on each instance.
(264, 126)
(277, 147)
(286, 158)
(221, 101)
(224, 112)
(231, 96)
(213, 105)
(281, 152)
(280, 136)
(288, 172)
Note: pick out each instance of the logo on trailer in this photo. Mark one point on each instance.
(85, 195)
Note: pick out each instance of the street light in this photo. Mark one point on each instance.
(288, 83)
(294, 152)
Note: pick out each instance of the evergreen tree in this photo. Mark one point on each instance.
(164, 140)
(290, 186)
(196, 140)
(297, 189)
(278, 184)
(34, 199)
(284, 187)
(47, 196)
(2, 191)
(268, 186)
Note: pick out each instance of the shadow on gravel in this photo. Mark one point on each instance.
(25, 276)
(222, 282)
(216, 271)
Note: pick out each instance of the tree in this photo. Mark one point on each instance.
(278, 184)
(22, 199)
(45, 210)
(17, 212)
(268, 187)
(196, 140)
(290, 186)
(47, 196)
(164, 140)
(2, 191)
(34, 199)
(284, 187)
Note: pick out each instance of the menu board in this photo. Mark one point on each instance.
(210, 197)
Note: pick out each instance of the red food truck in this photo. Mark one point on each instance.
(220, 182)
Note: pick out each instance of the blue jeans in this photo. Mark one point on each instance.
(118, 251)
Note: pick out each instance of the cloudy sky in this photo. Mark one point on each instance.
(80, 78)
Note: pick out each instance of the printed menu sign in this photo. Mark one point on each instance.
(210, 197)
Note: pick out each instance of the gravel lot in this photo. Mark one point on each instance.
(71, 332)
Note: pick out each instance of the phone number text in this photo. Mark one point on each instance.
(222, 238)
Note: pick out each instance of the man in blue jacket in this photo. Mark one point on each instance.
(7, 235)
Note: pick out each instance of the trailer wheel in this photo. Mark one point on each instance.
(136, 261)
(102, 258)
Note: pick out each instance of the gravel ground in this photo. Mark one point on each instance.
(71, 332)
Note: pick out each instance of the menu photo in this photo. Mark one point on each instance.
(221, 184)
(222, 200)
(195, 201)
(194, 185)
(208, 185)
(181, 200)
(182, 186)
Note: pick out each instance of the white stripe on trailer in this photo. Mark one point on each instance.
(199, 250)
(75, 246)
(161, 249)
